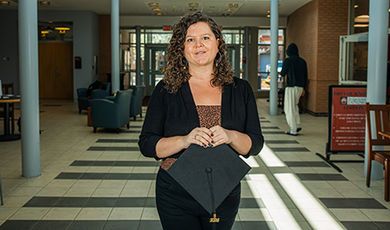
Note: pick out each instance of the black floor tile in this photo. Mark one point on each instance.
(281, 142)
(82, 163)
(92, 176)
(134, 202)
(306, 164)
(52, 225)
(41, 201)
(122, 225)
(359, 203)
(101, 202)
(69, 175)
(142, 176)
(360, 225)
(273, 132)
(116, 163)
(102, 148)
(72, 202)
(117, 140)
(316, 176)
(150, 225)
(383, 225)
(269, 127)
(290, 149)
(18, 224)
(87, 225)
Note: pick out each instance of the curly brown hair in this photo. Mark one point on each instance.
(176, 72)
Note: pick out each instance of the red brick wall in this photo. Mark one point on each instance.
(316, 28)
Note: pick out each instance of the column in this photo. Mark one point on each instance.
(139, 80)
(28, 65)
(377, 65)
(273, 94)
(115, 45)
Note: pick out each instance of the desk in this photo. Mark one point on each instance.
(7, 101)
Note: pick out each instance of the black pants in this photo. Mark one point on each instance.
(179, 211)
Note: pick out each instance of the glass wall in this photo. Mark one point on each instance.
(264, 56)
(153, 37)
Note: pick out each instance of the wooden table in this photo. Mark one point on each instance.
(7, 101)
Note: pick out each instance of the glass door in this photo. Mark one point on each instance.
(234, 58)
(155, 62)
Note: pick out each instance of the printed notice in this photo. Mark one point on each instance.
(348, 119)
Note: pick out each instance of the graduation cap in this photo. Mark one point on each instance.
(209, 174)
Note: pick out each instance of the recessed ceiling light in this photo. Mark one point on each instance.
(4, 3)
(360, 25)
(193, 4)
(229, 10)
(233, 5)
(362, 18)
(356, 6)
(156, 9)
(44, 3)
(153, 4)
(268, 16)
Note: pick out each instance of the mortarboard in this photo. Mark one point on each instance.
(209, 174)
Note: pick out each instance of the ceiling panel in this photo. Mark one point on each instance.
(246, 8)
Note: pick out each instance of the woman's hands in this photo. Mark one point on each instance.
(208, 137)
(199, 136)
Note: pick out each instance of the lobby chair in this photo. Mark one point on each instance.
(381, 122)
(101, 93)
(111, 114)
(136, 102)
(82, 99)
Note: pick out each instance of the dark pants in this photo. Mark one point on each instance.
(179, 211)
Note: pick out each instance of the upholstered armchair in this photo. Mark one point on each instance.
(136, 101)
(101, 93)
(82, 99)
(112, 114)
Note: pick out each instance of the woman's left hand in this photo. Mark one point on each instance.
(220, 136)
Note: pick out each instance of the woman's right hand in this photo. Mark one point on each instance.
(199, 136)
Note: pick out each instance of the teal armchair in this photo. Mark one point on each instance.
(82, 99)
(136, 101)
(111, 114)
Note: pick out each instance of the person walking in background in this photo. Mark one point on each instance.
(296, 70)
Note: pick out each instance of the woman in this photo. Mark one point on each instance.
(197, 102)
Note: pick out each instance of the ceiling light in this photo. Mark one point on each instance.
(158, 14)
(44, 3)
(233, 5)
(268, 11)
(4, 3)
(156, 9)
(62, 29)
(229, 10)
(153, 4)
(268, 16)
(362, 19)
(355, 6)
(44, 32)
(360, 25)
(193, 4)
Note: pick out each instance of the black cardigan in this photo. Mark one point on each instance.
(175, 114)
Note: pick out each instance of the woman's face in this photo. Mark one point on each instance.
(200, 46)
